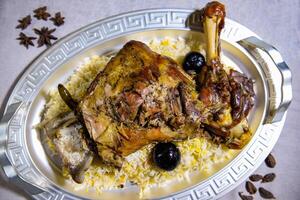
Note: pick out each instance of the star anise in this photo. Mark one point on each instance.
(24, 22)
(58, 19)
(45, 36)
(25, 40)
(41, 13)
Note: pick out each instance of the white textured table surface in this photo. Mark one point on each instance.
(276, 21)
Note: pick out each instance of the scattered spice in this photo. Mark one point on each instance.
(250, 187)
(270, 161)
(24, 22)
(268, 178)
(25, 40)
(58, 20)
(255, 177)
(245, 197)
(265, 193)
(45, 36)
(41, 13)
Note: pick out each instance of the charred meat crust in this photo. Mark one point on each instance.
(142, 97)
(132, 97)
(129, 104)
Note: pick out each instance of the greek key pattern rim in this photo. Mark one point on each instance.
(99, 32)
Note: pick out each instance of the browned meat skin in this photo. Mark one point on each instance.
(229, 96)
(143, 97)
(139, 98)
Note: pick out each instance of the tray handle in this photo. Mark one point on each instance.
(7, 168)
(277, 73)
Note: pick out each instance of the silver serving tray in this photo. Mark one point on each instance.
(23, 158)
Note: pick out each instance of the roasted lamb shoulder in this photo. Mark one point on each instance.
(141, 97)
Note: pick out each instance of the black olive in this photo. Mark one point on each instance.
(166, 156)
(193, 62)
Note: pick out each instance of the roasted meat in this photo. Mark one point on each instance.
(143, 97)
(70, 148)
(140, 97)
(229, 96)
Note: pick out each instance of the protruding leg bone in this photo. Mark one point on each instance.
(213, 78)
(229, 96)
(213, 21)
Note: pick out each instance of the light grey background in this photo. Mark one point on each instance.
(276, 21)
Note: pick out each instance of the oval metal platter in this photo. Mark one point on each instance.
(25, 162)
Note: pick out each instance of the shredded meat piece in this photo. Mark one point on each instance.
(143, 97)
